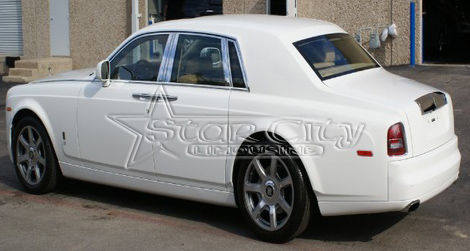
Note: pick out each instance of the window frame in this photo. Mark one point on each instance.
(172, 54)
(297, 43)
(166, 66)
(240, 62)
(166, 78)
(130, 42)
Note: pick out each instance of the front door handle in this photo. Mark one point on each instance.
(169, 98)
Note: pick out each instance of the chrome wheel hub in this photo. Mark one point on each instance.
(269, 188)
(32, 154)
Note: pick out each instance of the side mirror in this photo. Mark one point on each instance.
(102, 72)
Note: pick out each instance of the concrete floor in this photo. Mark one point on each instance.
(84, 216)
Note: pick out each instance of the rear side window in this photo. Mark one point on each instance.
(198, 60)
(334, 55)
(237, 74)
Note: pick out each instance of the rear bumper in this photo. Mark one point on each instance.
(415, 179)
(422, 177)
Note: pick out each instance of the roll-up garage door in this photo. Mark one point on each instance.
(11, 35)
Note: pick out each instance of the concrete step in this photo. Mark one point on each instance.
(32, 64)
(23, 72)
(16, 79)
(32, 69)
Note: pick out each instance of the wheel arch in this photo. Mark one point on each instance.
(38, 113)
(268, 135)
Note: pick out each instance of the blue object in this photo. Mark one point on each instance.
(412, 34)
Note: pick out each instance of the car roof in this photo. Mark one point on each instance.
(239, 26)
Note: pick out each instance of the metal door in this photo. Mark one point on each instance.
(60, 30)
(11, 35)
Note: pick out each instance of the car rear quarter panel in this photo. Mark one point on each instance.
(284, 87)
(337, 127)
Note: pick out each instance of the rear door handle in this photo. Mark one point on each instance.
(148, 96)
(142, 96)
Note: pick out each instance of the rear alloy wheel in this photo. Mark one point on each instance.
(34, 158)
(273, 196)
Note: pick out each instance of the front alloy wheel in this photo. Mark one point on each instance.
(30, 155)
(34, 157)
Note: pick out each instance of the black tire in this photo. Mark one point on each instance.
(34, 157)
(259, 196)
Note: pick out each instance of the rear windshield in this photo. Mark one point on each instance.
(334, 55)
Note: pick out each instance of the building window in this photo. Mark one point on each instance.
(161, 10)
(281, 7)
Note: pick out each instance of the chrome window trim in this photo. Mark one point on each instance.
(226, 62)
(170, 57)
(141, 82)
(163, 83)
(196, 85)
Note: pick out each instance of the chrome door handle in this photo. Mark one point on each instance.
(142, 96)
(160, 97)
(168, 98)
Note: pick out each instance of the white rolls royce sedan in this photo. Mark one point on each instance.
(280, 117)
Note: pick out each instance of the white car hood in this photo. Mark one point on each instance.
(83, 74)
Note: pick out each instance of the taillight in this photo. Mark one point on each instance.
(396, 140)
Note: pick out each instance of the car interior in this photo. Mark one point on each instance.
(198, 60)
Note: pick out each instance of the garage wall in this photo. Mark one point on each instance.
(244, 6)
(96, 28)
(36, 32)
(353, 15)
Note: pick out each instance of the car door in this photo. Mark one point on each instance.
(190, 121)
(112, 120)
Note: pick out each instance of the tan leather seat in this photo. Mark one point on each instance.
(197, 71)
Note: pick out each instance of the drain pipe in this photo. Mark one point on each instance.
(412, 34)
(135, 16)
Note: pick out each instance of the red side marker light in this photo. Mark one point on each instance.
(8, 109)
(365, 153)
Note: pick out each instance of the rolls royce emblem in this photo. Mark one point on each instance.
(269, 191)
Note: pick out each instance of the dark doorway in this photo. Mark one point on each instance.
(446, 31)
(161, 10)
(278, 7)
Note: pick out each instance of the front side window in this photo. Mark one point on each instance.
(140, 60)
(198, 60)
(334, 55)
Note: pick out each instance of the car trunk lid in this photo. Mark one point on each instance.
(428, 110)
